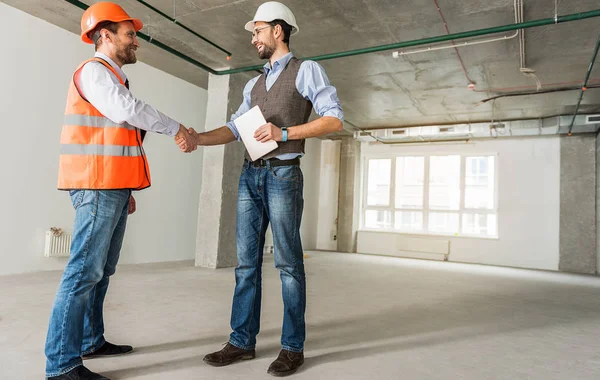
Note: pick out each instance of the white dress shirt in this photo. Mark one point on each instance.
(103, 90)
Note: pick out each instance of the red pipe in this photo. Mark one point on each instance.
(455, 48)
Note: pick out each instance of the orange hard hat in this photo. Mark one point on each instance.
(104, 11)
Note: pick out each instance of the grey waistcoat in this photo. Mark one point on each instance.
(282, 105)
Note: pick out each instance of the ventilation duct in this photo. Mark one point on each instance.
(463, 132)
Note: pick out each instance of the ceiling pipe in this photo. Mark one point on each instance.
(526, 71)
(184, 27)
(155, 42)
(397, 54)
(466, 122)
(465, 139)
(560, 89)
(585, 84)
(374, 49)
(443, 38)
(577, 83)
(422, 140)
(462, 64)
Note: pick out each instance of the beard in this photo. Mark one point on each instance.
(267, 52)
(126, 54)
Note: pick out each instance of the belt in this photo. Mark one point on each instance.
(274, 162)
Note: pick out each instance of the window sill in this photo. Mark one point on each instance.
(437, 234)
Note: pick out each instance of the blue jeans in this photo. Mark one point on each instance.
(269, 194)
(76, 323)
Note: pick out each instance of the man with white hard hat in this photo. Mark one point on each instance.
(270, 188)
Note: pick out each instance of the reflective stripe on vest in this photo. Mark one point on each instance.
(95, 152)
(94, 121)
(101, 150)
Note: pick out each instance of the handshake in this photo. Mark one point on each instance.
(187, 139)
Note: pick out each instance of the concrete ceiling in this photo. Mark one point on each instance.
(376, 89)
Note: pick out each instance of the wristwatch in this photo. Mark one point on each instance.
(284, 134)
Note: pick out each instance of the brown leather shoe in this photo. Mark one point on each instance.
(286, 363)
(228, 355)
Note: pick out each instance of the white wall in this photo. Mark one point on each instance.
(35, 69)
(528, 203)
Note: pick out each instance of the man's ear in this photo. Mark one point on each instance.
(105, 34)
(278, 31)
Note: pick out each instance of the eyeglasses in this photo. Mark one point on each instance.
(257, 30)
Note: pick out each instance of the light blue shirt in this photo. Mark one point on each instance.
(312, 83)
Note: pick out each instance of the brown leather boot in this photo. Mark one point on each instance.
(228, 355)
(286, 363)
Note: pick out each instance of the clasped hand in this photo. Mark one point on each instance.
(187, 139)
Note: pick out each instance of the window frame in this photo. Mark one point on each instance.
(462, 210)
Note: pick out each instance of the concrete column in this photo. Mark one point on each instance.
(215, 238)
(597, 204)
(348, 206)
(311, 169)
(578, 204)
(328, 195)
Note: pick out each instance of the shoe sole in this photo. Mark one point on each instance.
(106, 356)
(287, 373)
(243, 357)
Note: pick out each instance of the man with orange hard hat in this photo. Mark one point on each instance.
(101, 162)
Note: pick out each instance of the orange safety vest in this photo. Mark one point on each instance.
(95, 152)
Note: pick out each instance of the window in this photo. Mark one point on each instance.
(379, 183)
(378, 193)
(479, 182)
(410, 185)
(432, 194)
(444, 193)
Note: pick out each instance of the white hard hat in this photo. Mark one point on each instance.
(270, 11)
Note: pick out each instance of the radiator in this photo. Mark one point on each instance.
(57, 244)
(423, 247)
(393, 244)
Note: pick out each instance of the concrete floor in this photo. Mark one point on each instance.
(368, 318)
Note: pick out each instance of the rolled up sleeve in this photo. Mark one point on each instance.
(312, 82)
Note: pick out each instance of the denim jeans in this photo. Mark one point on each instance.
(269, 194)
(76, 322)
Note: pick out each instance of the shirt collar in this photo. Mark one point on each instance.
(113, 65)
(281, 62)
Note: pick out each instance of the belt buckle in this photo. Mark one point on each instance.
(259, 163)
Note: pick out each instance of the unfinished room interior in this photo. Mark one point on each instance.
(435, 217)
